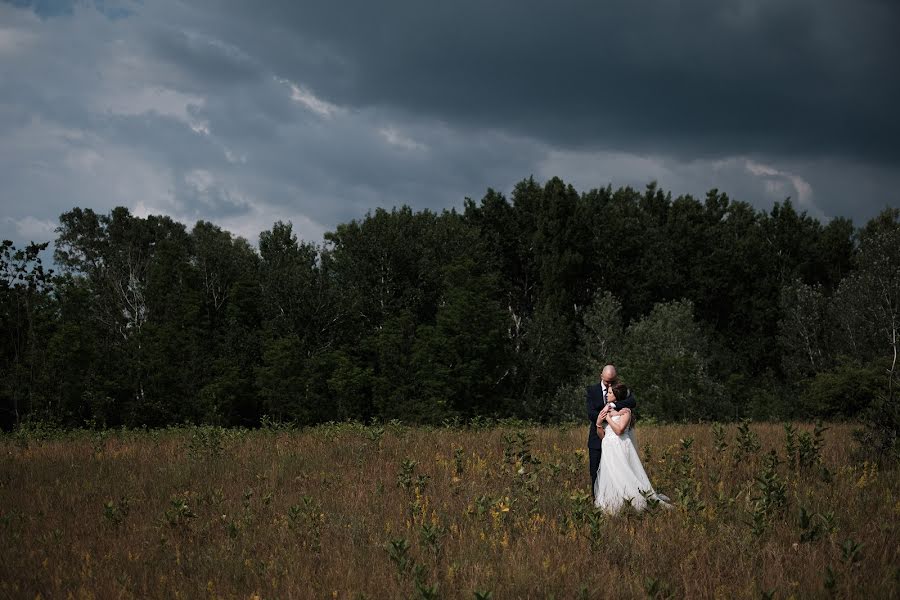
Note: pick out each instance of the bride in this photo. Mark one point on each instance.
(621, 477)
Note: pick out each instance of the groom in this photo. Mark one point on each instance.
(597, 408)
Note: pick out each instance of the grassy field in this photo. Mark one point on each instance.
(346, 511)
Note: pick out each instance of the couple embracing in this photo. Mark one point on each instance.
(617, 475)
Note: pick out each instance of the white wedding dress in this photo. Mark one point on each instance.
(621, 476)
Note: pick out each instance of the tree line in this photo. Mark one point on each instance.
(710, 308)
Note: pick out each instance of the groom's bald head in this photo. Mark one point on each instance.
(609, 374)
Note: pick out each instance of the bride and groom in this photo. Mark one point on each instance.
(617, 475)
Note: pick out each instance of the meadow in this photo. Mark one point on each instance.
(390, 511)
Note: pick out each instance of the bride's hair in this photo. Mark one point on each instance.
(620, 391)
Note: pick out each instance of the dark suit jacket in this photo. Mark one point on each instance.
(595, 402)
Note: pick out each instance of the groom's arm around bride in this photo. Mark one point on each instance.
(596, 403)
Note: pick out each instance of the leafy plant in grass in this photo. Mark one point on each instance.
(206, 442)
(306, 519)
(770, 500)
(179, 514)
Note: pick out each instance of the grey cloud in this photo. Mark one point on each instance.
(823, 188)
(149, 132)
(701, 78)
(227, 112)
(218, 63)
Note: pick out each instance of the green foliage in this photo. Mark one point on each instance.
(25, 319)
(809, 449)
(878, 438)
(458, 361)
(600, 335)
(179, 514)
(116, 512)
(398, 552)
(747, 442)
(710, 308)
(851, 551)
(666, 359)
(306, 519)
(657, 589)
(517, 449)
(850, 340)
(770, 499)
(206, 442)
(595, 520)
(405, 477)
(790, 444)
(804, 333)
(846, 390)
(687, 488)
(458, 461)
(720, 438)
(431, 535)
(814, 526)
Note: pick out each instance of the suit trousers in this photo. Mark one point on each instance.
(594, 454)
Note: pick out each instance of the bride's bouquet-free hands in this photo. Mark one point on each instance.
(601, 419)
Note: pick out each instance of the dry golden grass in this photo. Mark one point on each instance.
(309, 514)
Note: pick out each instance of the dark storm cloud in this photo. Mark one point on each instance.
(701, 78)
(46, 8)
(57, 8)
(189, 124)
(217, 64)
(244, 113)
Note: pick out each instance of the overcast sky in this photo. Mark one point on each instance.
(243, 113)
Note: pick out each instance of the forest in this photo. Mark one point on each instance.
(507, 308)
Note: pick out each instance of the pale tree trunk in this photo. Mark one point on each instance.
(894, 361)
